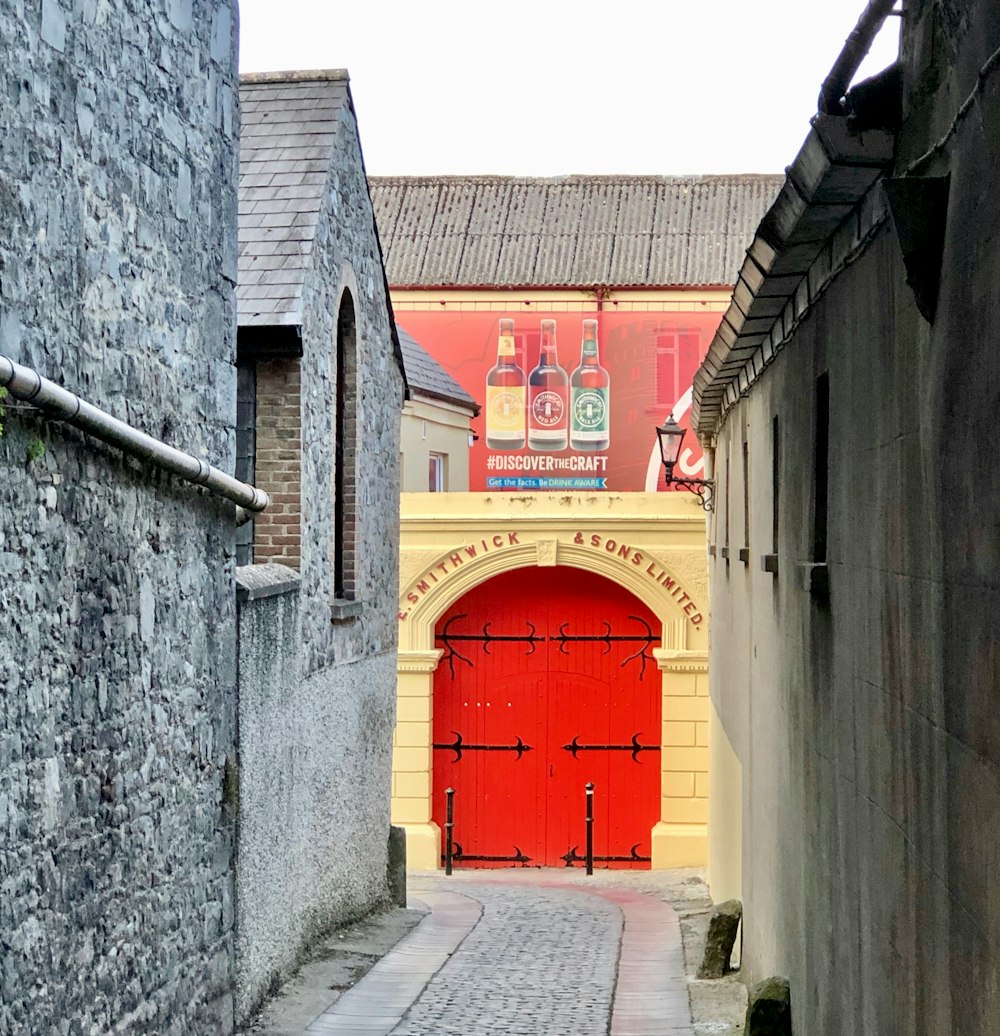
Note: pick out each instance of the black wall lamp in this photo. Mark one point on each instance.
(671, 435)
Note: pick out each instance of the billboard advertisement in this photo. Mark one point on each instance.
(570, 400)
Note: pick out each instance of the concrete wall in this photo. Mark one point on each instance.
(865, 718)
(117, 652)
(432, 426)
(308, 827)
(317, 675)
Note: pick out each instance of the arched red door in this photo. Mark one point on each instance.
(547, 682)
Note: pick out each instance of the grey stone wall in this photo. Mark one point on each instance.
(866, 720)
(309, 830)
(317, 696)
(117, 650)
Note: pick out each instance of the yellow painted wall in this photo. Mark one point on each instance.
(434, 426)
(451, 542)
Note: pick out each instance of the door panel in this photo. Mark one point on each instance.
(547, 681)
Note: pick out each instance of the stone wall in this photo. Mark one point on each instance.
(117, 264)
(865, 717)
(317, 675)
(311, 826)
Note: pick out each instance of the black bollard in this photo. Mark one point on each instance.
(449, 829)
(590, 827)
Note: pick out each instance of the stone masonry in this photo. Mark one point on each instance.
(117, 631)
(317, 669)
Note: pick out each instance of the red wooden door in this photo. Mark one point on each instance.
(547, 682)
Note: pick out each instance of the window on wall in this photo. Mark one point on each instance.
(676, 351)
(775, 482)
(437, 473)
(821, 460)
(345, 539)
(769, 562)
(745, 550)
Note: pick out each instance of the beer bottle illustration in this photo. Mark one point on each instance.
(548, 396)
(588, 401)
(505, 395)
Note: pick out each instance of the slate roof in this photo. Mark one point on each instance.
(287, 140)
(427, 377)
(572, 231)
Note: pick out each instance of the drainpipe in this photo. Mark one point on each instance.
(849, 60)
(29, 386)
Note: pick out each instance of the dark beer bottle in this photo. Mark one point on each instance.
(548, 396)
(589, 402)
(505, 395)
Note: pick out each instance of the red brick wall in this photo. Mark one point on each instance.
(277, 470)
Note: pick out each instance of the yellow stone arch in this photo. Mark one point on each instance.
(680, 836)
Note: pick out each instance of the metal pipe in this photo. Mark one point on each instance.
(30, 387)
(590, 826)
(849, 60)
(449, 828)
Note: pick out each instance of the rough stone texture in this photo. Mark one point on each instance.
(317, 699)
(866, 719)
(396, 866)
(769, 1009)
(722, 928)
(117, 651)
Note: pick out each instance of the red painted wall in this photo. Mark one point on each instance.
(650, 359)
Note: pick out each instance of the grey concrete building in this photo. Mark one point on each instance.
(851, 398)
(321, 389)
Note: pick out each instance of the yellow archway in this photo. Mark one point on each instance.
(657, 562)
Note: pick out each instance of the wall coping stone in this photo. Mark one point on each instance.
(256, 581)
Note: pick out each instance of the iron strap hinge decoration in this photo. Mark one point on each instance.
(635, 748)
(572, 858)
(458, 746)
(459, 857)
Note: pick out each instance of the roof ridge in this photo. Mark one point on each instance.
(297, 76)
(576, 178)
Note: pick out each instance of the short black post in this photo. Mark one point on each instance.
(449, 829)
(590, 827)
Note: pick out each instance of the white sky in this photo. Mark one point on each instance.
(547, 87)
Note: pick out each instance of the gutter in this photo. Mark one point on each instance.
(856, 47)
(833, 171)
(29, 386)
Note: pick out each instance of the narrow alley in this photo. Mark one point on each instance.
(530, 952)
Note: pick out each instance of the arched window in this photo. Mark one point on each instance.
(345, 501)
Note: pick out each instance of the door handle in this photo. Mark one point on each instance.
(550, 770)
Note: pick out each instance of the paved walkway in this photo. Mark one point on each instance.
(524, 953)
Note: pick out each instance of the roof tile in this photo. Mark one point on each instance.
(579, 231)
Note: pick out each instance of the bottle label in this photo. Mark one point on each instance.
(505, 410)
(590, 412)
(548, 409)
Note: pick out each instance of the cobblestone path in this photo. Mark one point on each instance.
(524, 954)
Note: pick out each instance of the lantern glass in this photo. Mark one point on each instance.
(670, 435)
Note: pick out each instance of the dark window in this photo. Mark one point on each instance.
(345, 432)
(437, 473)
(775, 481)
(821, 469)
